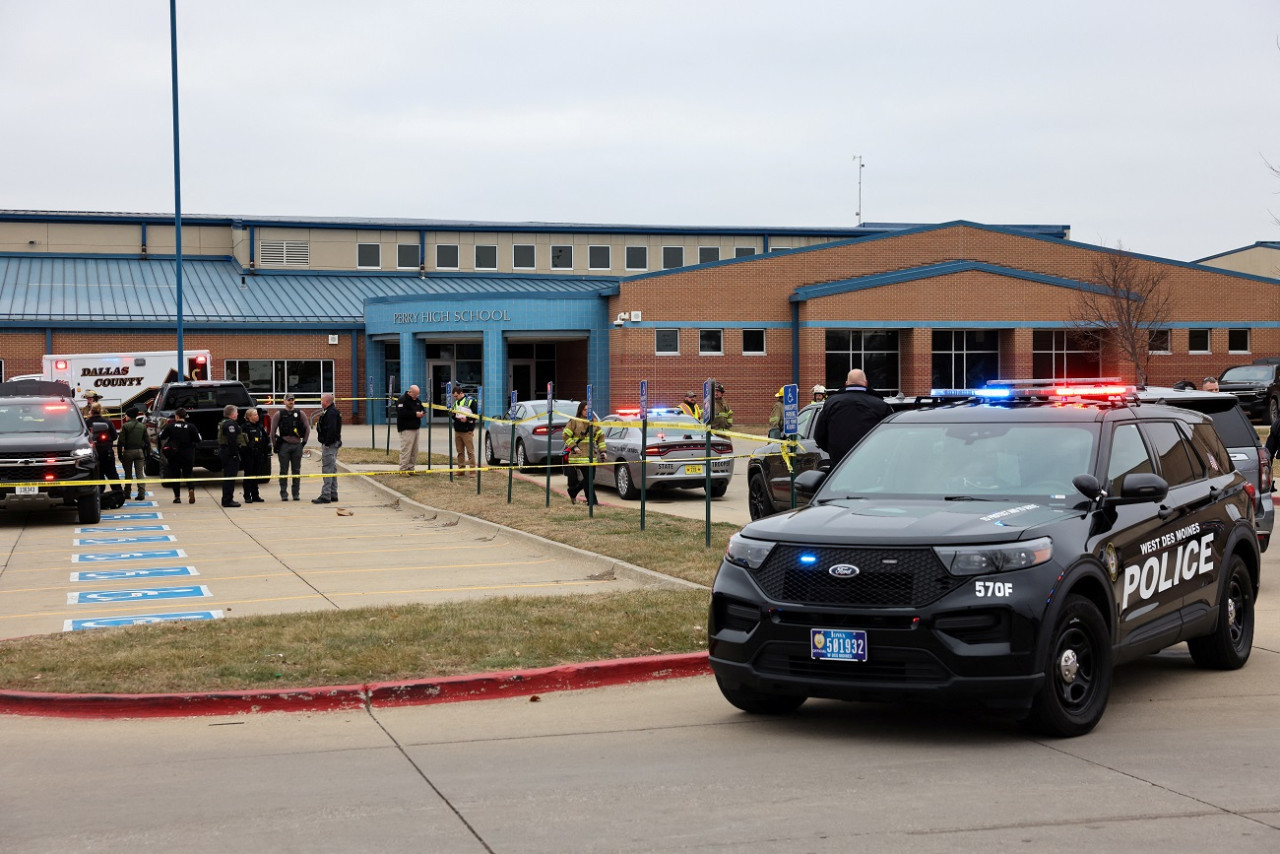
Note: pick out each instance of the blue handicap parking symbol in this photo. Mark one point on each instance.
(124, 541)
(118, 574)
(142, 504)
(141, 594)
(119, 529)
(115, 517)
(108, 622)
(108, 557)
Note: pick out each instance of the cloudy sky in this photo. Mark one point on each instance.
(1146, 123)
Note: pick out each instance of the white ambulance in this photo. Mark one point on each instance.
(124, 379)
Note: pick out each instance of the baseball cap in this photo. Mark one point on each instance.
(689, 394)
(289, 397)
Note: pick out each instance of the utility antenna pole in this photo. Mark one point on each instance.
(857, 158)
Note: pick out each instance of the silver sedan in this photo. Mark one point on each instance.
(532, 436)
(674, 453)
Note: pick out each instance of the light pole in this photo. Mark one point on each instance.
(177, 179)
(857, 158)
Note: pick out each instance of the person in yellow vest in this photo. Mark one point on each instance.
(579, 434)
(775, 417)
(465, 419)
(691, 407)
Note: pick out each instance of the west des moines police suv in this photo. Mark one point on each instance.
(1004, 551)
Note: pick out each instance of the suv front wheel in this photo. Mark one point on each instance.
(1077, 680)
(89, 508)
(759, 702)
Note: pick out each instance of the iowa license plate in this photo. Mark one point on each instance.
(27, 490)
(693, 469)
(838, 644)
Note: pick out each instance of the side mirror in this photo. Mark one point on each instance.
(1087, 485)
(1142, 487)
(807, 483)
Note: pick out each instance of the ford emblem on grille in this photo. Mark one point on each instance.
(843, 570)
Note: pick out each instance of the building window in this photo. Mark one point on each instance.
(284, 253)
(965, 358)
(1, 370)
(1065, 355)
(637, 257)
(562, 257)
(407, 257)
(272, 378)
(598, 258)
(753, 342)
(708, 254)
(779, 248)
(1238, 340)
(369, 256)
(1158, 341)
(666, 342)
(873, 350)
(1197, 340)
(672, 257)
(446, 256)
(710, 342)
(486, 257)
(743, 251)
(523, 256)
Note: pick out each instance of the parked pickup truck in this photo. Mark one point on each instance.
(204, 402)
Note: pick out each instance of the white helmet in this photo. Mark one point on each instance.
(818, 389)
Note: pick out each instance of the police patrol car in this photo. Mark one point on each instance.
(1005, 551)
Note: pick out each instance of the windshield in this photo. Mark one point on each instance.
(39, 418)
(1247, 374)
(992, 461)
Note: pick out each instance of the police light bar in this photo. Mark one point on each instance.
(1094, 391)
(993, 393)
(56, 407)
(629, 413)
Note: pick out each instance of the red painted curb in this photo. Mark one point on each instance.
(450, 689)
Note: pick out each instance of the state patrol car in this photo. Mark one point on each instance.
(1000, 552)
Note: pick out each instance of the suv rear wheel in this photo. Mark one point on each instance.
(89, 508)
(622, 480)
(1228, 646)
(1078, 674)
(1273, 409)
(759, 502)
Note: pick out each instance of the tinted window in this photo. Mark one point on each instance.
(39, 418)
(1128, 456)
(1234, 428)
(1176, 464)
(1247, 374)
(1204, 438)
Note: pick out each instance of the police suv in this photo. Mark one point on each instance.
(1005, 551)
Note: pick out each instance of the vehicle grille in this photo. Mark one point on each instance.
(887, 578)
(9, 457)
(11, 473)
(883, 665)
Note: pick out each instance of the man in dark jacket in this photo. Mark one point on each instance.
(329, 434)
(230, 441)
(104, 439)
(847, 416)
(409, 412)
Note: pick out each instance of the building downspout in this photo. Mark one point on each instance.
(795, 343)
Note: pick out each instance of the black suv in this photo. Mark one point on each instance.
(1257, 386)
(999, 554)
(44, 440)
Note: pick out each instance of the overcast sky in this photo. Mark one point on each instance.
(1147, 124)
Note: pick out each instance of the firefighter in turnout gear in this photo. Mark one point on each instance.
(721, 414)
(579, 435)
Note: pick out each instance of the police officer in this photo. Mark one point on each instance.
(255, 456)
(104, 440)
(464, 425)
(178, 442)
(329, 434)
(134, 447)
(230, 440)
(289, 436)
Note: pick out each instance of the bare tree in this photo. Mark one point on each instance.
(1126, 304)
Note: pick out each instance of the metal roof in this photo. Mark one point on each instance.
(59, 288)
(413, 224)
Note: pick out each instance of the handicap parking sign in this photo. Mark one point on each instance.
(144, 594)
(109, 557)
(120, 574)
(143, 619)
(124, 541)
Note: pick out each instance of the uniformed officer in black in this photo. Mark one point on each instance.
(104, 441)
(178, 442)
(329, 434)
(230, 441)
(255, 456)
(290, 432)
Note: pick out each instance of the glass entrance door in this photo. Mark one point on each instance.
(520, 378)
(439, 374)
